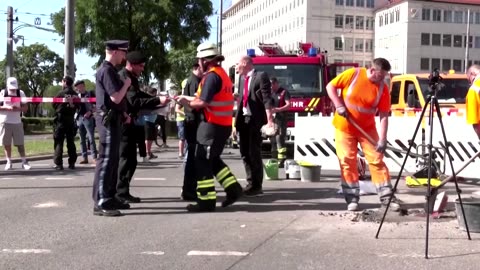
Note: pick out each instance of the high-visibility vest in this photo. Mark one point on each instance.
(472, 103)
(361, 113)
(220, 110)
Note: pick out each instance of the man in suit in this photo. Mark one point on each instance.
(254, 111)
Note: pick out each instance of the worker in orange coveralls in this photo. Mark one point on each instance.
(363, 95)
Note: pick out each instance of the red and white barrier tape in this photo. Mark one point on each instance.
(46, 99)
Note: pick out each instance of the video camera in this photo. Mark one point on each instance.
(435, 81)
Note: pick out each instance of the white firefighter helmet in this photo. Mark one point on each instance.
(207, 50)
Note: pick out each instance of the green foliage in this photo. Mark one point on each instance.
(35, 67)
(151, 26)
(36, 123)
(181, 61)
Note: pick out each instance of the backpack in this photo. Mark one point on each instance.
(4, 93)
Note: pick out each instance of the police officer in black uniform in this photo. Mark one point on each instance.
(64, 125)
(137, 101)
(110, 116)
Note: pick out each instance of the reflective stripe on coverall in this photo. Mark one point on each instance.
(346, 144)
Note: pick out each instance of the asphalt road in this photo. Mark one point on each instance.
(46, 222)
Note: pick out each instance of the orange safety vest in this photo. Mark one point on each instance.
(361, 112)
(220, 110)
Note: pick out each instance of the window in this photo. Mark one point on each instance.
(348, 22)
(392, 17)
(338, 44)
(409, 89)
(470, 41)
(368, 45)
(446, 64)
(359, 22)
(458, 17)
(349, 3)
(425, 14)
(369, 23)
(348, 44)
(299, 79)
(338, 21)
(397, 15)
(424, 63)
(358, 45)
(339, 2)
(436, 15)
(477, 42)
(457, 65)
(447, 40)
(447, 16)
(370, 3)
(477, 18)
(435, 63)
(360, 3)
(436, 39)
(425, 39)
(457, 41)
(395, 93)
(380, 20)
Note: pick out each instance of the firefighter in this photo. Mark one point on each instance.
(281, 103)
(215, 99)
(473, 99)
(363, 94)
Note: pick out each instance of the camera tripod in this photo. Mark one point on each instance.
(433, 105)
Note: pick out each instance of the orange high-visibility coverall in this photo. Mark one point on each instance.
(362, 99)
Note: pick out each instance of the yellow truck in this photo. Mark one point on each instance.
(410, 91)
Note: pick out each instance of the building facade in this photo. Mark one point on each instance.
(419, 36)
(342, 28)
(416, 36)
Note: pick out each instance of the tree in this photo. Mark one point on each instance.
(36, 68)
(181, 61)
(151, 26)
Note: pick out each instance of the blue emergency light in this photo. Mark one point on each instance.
(251, 52)
(312, 52)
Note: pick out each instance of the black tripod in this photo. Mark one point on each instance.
(434, 106)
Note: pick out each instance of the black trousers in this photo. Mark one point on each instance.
(209, 165)
(163, 131)
(106, 171)
(128, 157)
(139, 133)
(189, 177)
(60, 133)
(250, 151)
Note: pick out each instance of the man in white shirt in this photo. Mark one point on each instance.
(11, 127)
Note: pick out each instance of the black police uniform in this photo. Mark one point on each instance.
(64, 128)
(136, 100)
(192, 119)
(109, 119)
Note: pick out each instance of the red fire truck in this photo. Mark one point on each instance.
(304, 72)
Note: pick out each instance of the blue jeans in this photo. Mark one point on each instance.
(86, 128)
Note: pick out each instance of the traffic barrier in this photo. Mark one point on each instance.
(46, 99)
(314, 142)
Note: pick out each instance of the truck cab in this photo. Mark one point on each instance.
(409, 92)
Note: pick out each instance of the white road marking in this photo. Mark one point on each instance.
(157, 253)
(216, 253)
(241, 179)
(150, 178)
(59, 178)
(42, 165)
(7, 178)
(25, 251)
(46, 205)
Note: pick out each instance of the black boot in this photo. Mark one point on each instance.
(234, 192)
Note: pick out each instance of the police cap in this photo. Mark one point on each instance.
(113, 45)
(136, 58)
